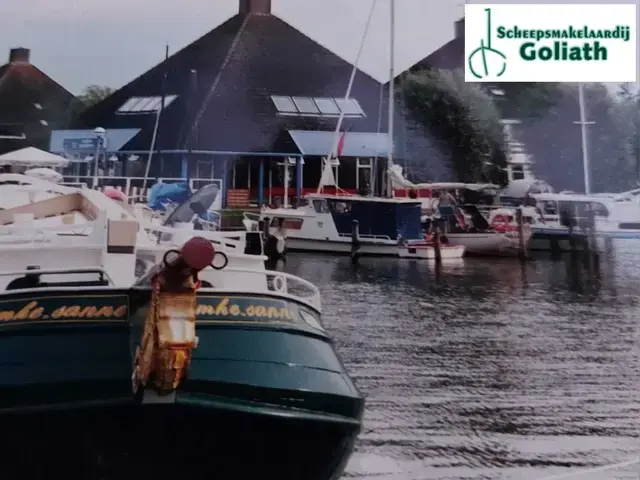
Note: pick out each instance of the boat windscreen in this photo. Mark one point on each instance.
(198, 204)
(163, 193)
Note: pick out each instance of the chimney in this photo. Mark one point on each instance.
(262, 7)
(19, 55)
(458, 28)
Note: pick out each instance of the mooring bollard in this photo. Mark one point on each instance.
(355, 240)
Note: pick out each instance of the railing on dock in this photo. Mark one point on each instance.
(132, 187)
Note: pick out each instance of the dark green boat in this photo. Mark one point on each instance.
(262, 394)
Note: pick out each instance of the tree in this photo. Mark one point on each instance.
(94, 94)
(626, 115)
(463, 118)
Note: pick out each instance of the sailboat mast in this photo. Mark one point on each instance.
(154, 136)
(391, 109)
(585, 144)
(347, 95)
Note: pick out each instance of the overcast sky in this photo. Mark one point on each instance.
(84, 42)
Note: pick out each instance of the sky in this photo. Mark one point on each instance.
(85, 42)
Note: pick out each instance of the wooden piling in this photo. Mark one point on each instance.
(592, 241)
(436, 242)
(355, 241)
(522, 247)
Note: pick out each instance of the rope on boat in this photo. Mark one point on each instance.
(593, 470)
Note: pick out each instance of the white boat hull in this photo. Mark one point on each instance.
(428, 252)
(337, 246)
(485, 243)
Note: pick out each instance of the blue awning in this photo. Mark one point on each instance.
(79, 141)
(356, 144)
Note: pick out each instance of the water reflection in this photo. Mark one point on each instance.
(487, 369)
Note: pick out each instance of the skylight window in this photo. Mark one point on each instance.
(317, 106)
(327, 106)
(143, 105)
(284, 104)
(305, 105)
(349, 106)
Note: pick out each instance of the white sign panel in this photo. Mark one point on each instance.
(550, 43)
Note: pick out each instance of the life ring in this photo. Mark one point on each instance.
(500, 223)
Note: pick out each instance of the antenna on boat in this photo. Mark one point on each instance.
(347, 95)
(585, 144)
(157, 124)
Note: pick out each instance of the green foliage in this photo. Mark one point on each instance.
(626, 115)
(463, 118)
(94, 94)
(527, 101)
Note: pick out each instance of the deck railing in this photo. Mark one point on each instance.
(132, 187)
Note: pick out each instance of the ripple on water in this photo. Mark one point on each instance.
(487, 370)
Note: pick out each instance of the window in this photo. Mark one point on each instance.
(320, 206)
(317, 106)
(349, 106)
(599, 209)
(517, 173)
(629, 226)
(140, 105)
(284, 104)
(327, 106)
(305, 105)
(549, 208)
(292, 223)
(341, 207)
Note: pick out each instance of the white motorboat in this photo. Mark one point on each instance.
(76, 230)
(427, 250)
(327, 223)
(613, 218)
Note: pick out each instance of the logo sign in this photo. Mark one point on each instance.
(550, 43)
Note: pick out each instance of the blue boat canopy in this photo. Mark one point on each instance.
(162, 193)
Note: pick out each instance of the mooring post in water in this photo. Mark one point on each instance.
(592, 241)
(522, 247)
(436, 242)
(568, 220)
(355, 240)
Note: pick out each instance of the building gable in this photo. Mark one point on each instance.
(224, 83)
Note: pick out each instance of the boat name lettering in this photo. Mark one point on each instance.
(250, 308)
(34, 311)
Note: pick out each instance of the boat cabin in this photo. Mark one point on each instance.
(434, 194)
(564, 208)
(378, 218)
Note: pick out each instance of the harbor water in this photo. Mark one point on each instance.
(486, 369)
